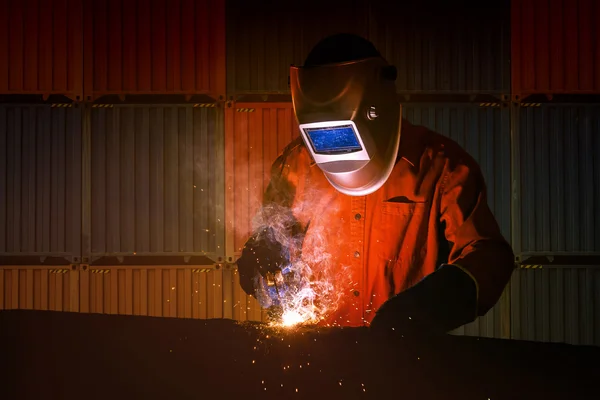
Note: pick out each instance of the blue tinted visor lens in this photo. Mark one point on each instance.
(334, 140)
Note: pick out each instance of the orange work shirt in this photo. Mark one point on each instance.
(432, 210)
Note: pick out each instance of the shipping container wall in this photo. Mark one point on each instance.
(158, 47)
(40, 181)
(41, 47)
(157, 182)
(265, 38)
(255, 134)
(483, 130)
(167, 291)
(557, 177)
(556, 305)
(445, 47)
(555, 47)
(39, 288)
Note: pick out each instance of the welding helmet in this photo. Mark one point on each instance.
(345, 102)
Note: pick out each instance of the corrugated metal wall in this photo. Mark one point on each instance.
(484, 132)
(40, 181)
(555, 47)
(446, 50)
(255, 134)
(558, 181)
(556, 305)
(445, 46)
(170, 291)
(157, 181)
(167, 291)
(265, 38)
(174, 46)
(180, 292)
(39, 288)
(41, 47)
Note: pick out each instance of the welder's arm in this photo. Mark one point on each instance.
(267, 249)
(477, 246)
(261, 254)
(479, 265)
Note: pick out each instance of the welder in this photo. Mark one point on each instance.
(402, 210)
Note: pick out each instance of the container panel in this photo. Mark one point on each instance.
(40, 181)
(256, 133)
(556, 305)
(157, 180)
(445, 47)
(559, 171)
(265, 38)
(555, 46)
(39, 288)
(484, 132)
(41, 43)
(245, 308)
(163, 46)
(178, 292)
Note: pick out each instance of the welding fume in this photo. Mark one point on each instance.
(369, 220)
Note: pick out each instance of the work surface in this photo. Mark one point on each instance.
(48, 355)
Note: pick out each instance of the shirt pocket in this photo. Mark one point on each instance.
(398, 219)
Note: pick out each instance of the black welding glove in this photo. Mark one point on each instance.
(441, 302)
(261, 254)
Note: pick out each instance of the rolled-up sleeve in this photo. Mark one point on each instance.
(476, 243)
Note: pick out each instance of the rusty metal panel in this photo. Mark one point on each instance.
(158, 47)
(255, 134)
(40, 181)
(557, 191)
(157, 183)
(443, 46)
(265, 38)
(556, 305)
(555, 47)
(483, 130)
(41, 47)
(39, 288)
(169, 291)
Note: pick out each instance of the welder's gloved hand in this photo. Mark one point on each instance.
(441, 302)
(260, 255)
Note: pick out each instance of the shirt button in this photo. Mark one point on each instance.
(356, 293)
(357, 217)
(356, 254)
